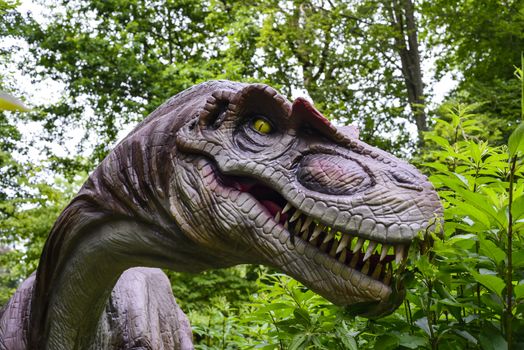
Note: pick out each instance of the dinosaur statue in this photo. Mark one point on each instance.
(221, 174)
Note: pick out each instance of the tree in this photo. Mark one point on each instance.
(358, 60)
(481, 43)
(345, 55)
(119, 62)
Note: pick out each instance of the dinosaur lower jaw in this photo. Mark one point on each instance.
(378, 261)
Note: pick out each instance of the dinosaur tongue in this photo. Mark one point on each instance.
(267, 197)
(270, 199)
(271, 206)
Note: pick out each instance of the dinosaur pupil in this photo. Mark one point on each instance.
(262, 126)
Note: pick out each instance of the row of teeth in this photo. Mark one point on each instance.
(347, 249)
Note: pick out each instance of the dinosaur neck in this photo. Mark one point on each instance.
(89, 272)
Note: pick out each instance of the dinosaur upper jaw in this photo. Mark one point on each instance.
(371, 268)
(371, 258)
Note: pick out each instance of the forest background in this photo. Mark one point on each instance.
(374, 63)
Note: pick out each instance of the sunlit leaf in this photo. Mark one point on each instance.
(411, 341)
(11, 103)
(519, 291)
(301, 316)
(347, 339)
(518, 258)
(517, 207)
(423, 324)
(466, 335)
(493, 283)
(516, 140)
(438, 140)
(490, 249)
(298, 341)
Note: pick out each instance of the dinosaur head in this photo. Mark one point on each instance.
(263, 180)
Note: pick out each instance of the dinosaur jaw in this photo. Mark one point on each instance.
(372, 268)
(371, 258)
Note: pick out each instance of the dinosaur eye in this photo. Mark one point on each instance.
(261, 125)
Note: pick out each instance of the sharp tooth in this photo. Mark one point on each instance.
(384, 252)
(342, 257)
(306, 224)
(297, 226)
(286, 225)
(329, 237)
(295, 216)
(371, 248)
(316, 232)
(277, 217)
(359, 244)
(354, 260)
(333, 251)
(343, 242)
(304, 236)
(399, 253)
(286, 208)
(387, 278)
(376, 273)
(323, 247)
(365, 269)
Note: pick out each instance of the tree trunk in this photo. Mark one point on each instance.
(402, 18)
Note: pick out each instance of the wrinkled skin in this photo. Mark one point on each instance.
(227, 173)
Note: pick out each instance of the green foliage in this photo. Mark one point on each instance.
(24, 226)
(282, 314)
(470, 279)
(119, 61)
(480, 41)
(234, 285)
(11, 103)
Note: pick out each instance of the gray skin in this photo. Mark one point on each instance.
(199, 185)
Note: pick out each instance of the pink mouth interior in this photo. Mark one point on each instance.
(271, 200)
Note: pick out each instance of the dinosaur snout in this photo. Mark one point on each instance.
(333, 174)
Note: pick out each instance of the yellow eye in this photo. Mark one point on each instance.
(261, 125)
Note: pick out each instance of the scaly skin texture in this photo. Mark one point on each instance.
(227, 173)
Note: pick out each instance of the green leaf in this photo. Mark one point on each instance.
(349, 342)
(491, 339)
(11, 103)
(438, 140)
(493, 283)
(519, 291)
(346, 337)
(518, 258)
(302, 316)
(466, 335)
(516, 140)
(423, 324)
(438, 166)
(386, 342)
(298, 340)
(474, 213)
(464, 241)
(411, 341)
(490, 249)
(477, 200)
(517, 208)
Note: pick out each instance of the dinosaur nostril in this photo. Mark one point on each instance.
(406, 180)
(401, 177)
(332, 174)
